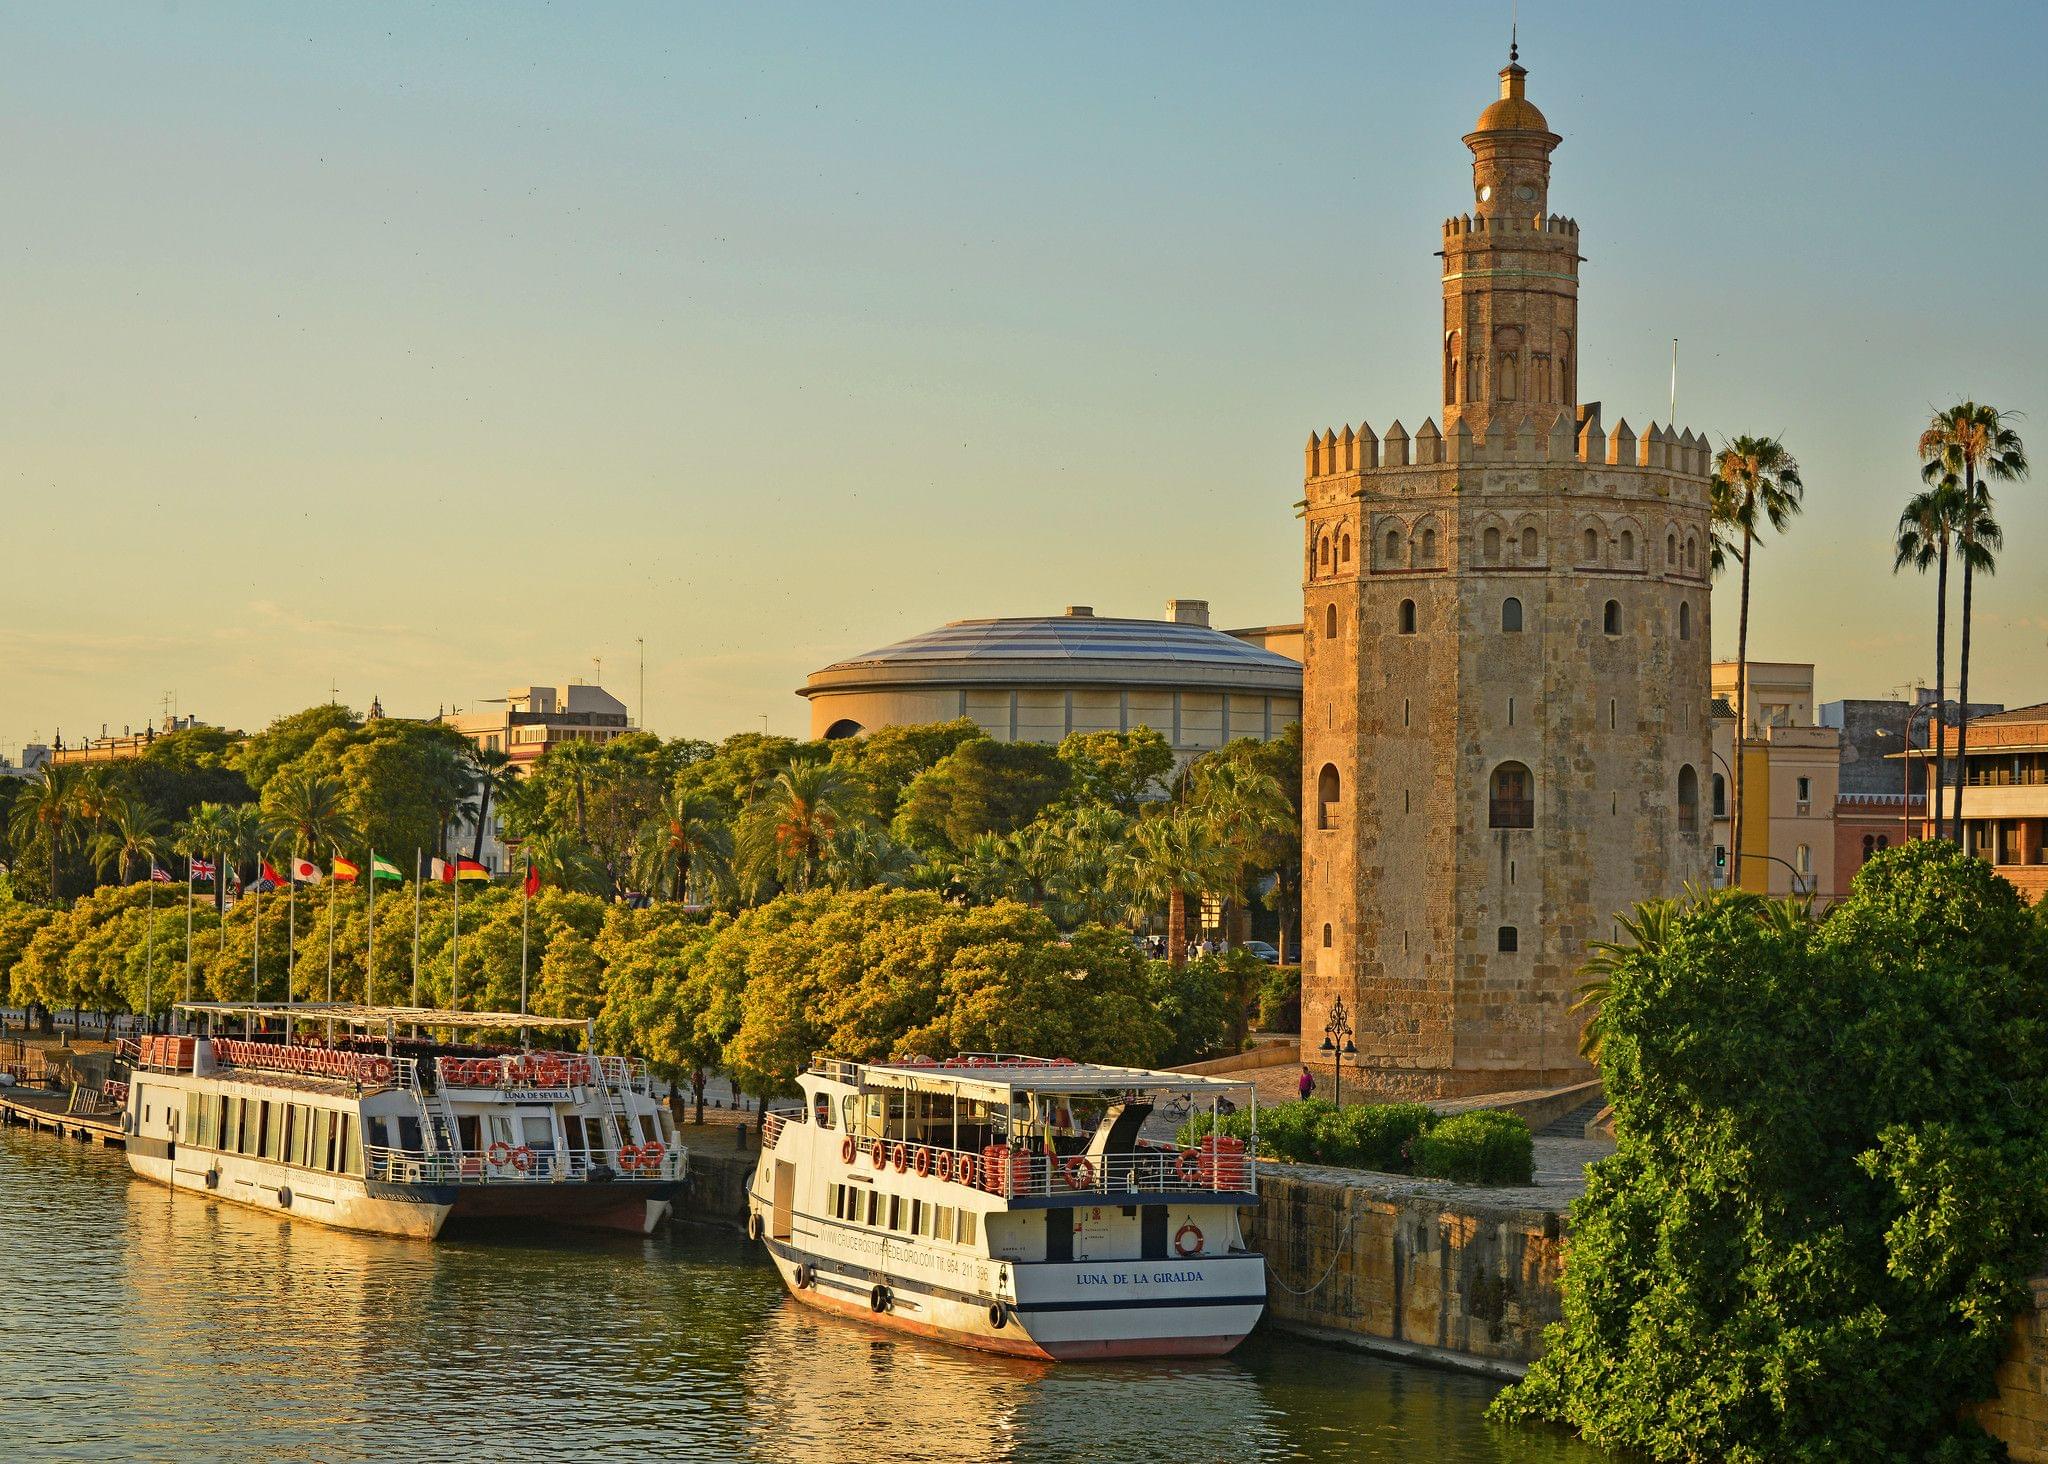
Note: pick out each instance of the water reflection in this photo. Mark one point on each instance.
(139, 1324)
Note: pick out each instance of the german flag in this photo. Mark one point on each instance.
(470, 869)
(344, 870)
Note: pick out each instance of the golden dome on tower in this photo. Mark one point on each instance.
(1513, 112)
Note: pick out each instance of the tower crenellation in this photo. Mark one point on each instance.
(1506, 650)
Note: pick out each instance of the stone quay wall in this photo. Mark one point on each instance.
(1449, 1274)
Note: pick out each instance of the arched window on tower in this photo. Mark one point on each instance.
(1407, 617)
(1344, 553)
(1511, 798)
(1330, 622)
(1328, 787)
(1323, 552)
(1684, 620)
(1529, 545)
(1326, 937)
(1671, 550)
(1610, 618)
(1475, 375)
(1720, 796)
(1511, 615)
(1628, 547)
(1869, 847)
(1450, 368)
(1688, 800)
(1591, 552)
(1691, 552)
(1393, 545)
(1429, 546)
(1508, 381)
(1490, 546)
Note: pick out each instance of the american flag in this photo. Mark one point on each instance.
(160, 876)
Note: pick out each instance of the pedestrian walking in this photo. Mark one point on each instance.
(1306, 1083)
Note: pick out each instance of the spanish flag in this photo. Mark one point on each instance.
(344, 870)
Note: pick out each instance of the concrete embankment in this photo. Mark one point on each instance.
(717, 1191)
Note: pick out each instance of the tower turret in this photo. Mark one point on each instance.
(1511, 276)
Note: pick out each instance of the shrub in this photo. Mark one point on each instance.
(1483, 1147)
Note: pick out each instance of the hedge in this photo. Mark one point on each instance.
(1394, 1138)
(1482, 1147)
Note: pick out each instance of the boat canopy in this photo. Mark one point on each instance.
(998, 1076)
(377, 1018)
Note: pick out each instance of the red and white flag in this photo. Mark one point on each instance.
(441, 870)
(305, 871)
(160, 876)
(199, 868)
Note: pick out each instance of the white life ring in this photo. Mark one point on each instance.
(1180, 1238)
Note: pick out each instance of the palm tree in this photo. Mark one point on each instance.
(786, 833)
(242, 826)
(687, 841)
(1756, 485)
(1976, 445)
(1647, 929)
(206, 833)
(562, 860)
(1246, 810)
(863, 857)
(46, 811)
(307, 811)
(491, 771)
(578, 762)
(92, 793)
(1175, 856)
(130, 829)
(1927, 528)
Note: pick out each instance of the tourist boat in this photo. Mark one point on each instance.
(1014, 1204)
(341, 1118)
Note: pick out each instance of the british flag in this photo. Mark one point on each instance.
(201, 869)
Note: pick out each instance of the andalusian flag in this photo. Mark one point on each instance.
(345, 870)
(470, 869)
(382, 868)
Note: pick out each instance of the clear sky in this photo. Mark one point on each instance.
(423, 351)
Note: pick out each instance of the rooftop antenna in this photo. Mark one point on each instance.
(641, 641)
(598, 661)
(1674, 382)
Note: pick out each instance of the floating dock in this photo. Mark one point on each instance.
(45, 1110)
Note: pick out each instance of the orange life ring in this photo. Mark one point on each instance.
(1180, 1236)
(1080, 1174)
(902, 1157)
(629, 1155)
(1190, 1168)
(847, 1149)
(522, 1158)
(923, 1163)
(380, 1070)
(499, 1153)
(945, 1164)
(651, 1153)
(963, 1170)
(878, 1154)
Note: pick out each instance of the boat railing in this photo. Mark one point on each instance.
(372, 1070)
(837, 1069)
(1215, 1165)
(527, 1070)
(505, 1164)
(772, 1123)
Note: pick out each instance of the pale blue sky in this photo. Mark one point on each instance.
(426, 351)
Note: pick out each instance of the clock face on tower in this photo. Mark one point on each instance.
(1525, 194)
(1485, 192)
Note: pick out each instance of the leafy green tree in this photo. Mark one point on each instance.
(182, 769)
(687, 844)
(1124, 770)
(1756, 486)
(565, 862)
(981, 787)
(132, 833)
(305, 811)
(43, 821)
(662, 999)
(886, 760)
(1175, 857)
(747, 762)
(1250, 820)
(286, 740)
(1971, 445)
(19, 922)
(208, 834)
(1831, 1176)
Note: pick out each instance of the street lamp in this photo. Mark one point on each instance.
(1337, 1044)
(1799, 885)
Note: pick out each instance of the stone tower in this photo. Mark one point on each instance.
(1504, 708)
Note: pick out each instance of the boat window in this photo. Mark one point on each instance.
(849, 1107)
(273, 1130)
(538, 1132)
(895, 1212)
(822, 1106)
(469, 1131)
(351, 1146)
(323, 1139)
(967, 1227)
(874, 1203)
(942, 1222)
(918, 1224)
(290, 1131)
(409, 1135)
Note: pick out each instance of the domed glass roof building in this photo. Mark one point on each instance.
(1037, 678)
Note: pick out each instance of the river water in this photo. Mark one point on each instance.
(139, 1325)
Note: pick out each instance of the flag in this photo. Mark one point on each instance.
(532, 880)
(470, 869)
(271, 876)
(305, 871)
(159, 876)
(199, 868)
(439, 869)
(344, 870)
(382, 868)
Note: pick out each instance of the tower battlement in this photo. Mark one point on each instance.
(1357, 451)
(1459, 225)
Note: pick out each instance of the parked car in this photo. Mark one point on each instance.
(1262, 950)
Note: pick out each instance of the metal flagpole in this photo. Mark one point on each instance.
(330, 941)
(370, 973)
(455, 982)
(291, 932)
(416, 853)
(256, 952)
(149, 947)
(188, 927)
(525, 904)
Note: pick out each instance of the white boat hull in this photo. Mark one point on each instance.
(334, 1200)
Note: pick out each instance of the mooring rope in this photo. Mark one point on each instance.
(1336, 1255)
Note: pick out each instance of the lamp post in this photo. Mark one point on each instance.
(1799, 888)
(1337, 1044)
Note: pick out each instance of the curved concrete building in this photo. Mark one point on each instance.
(1037, 678)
